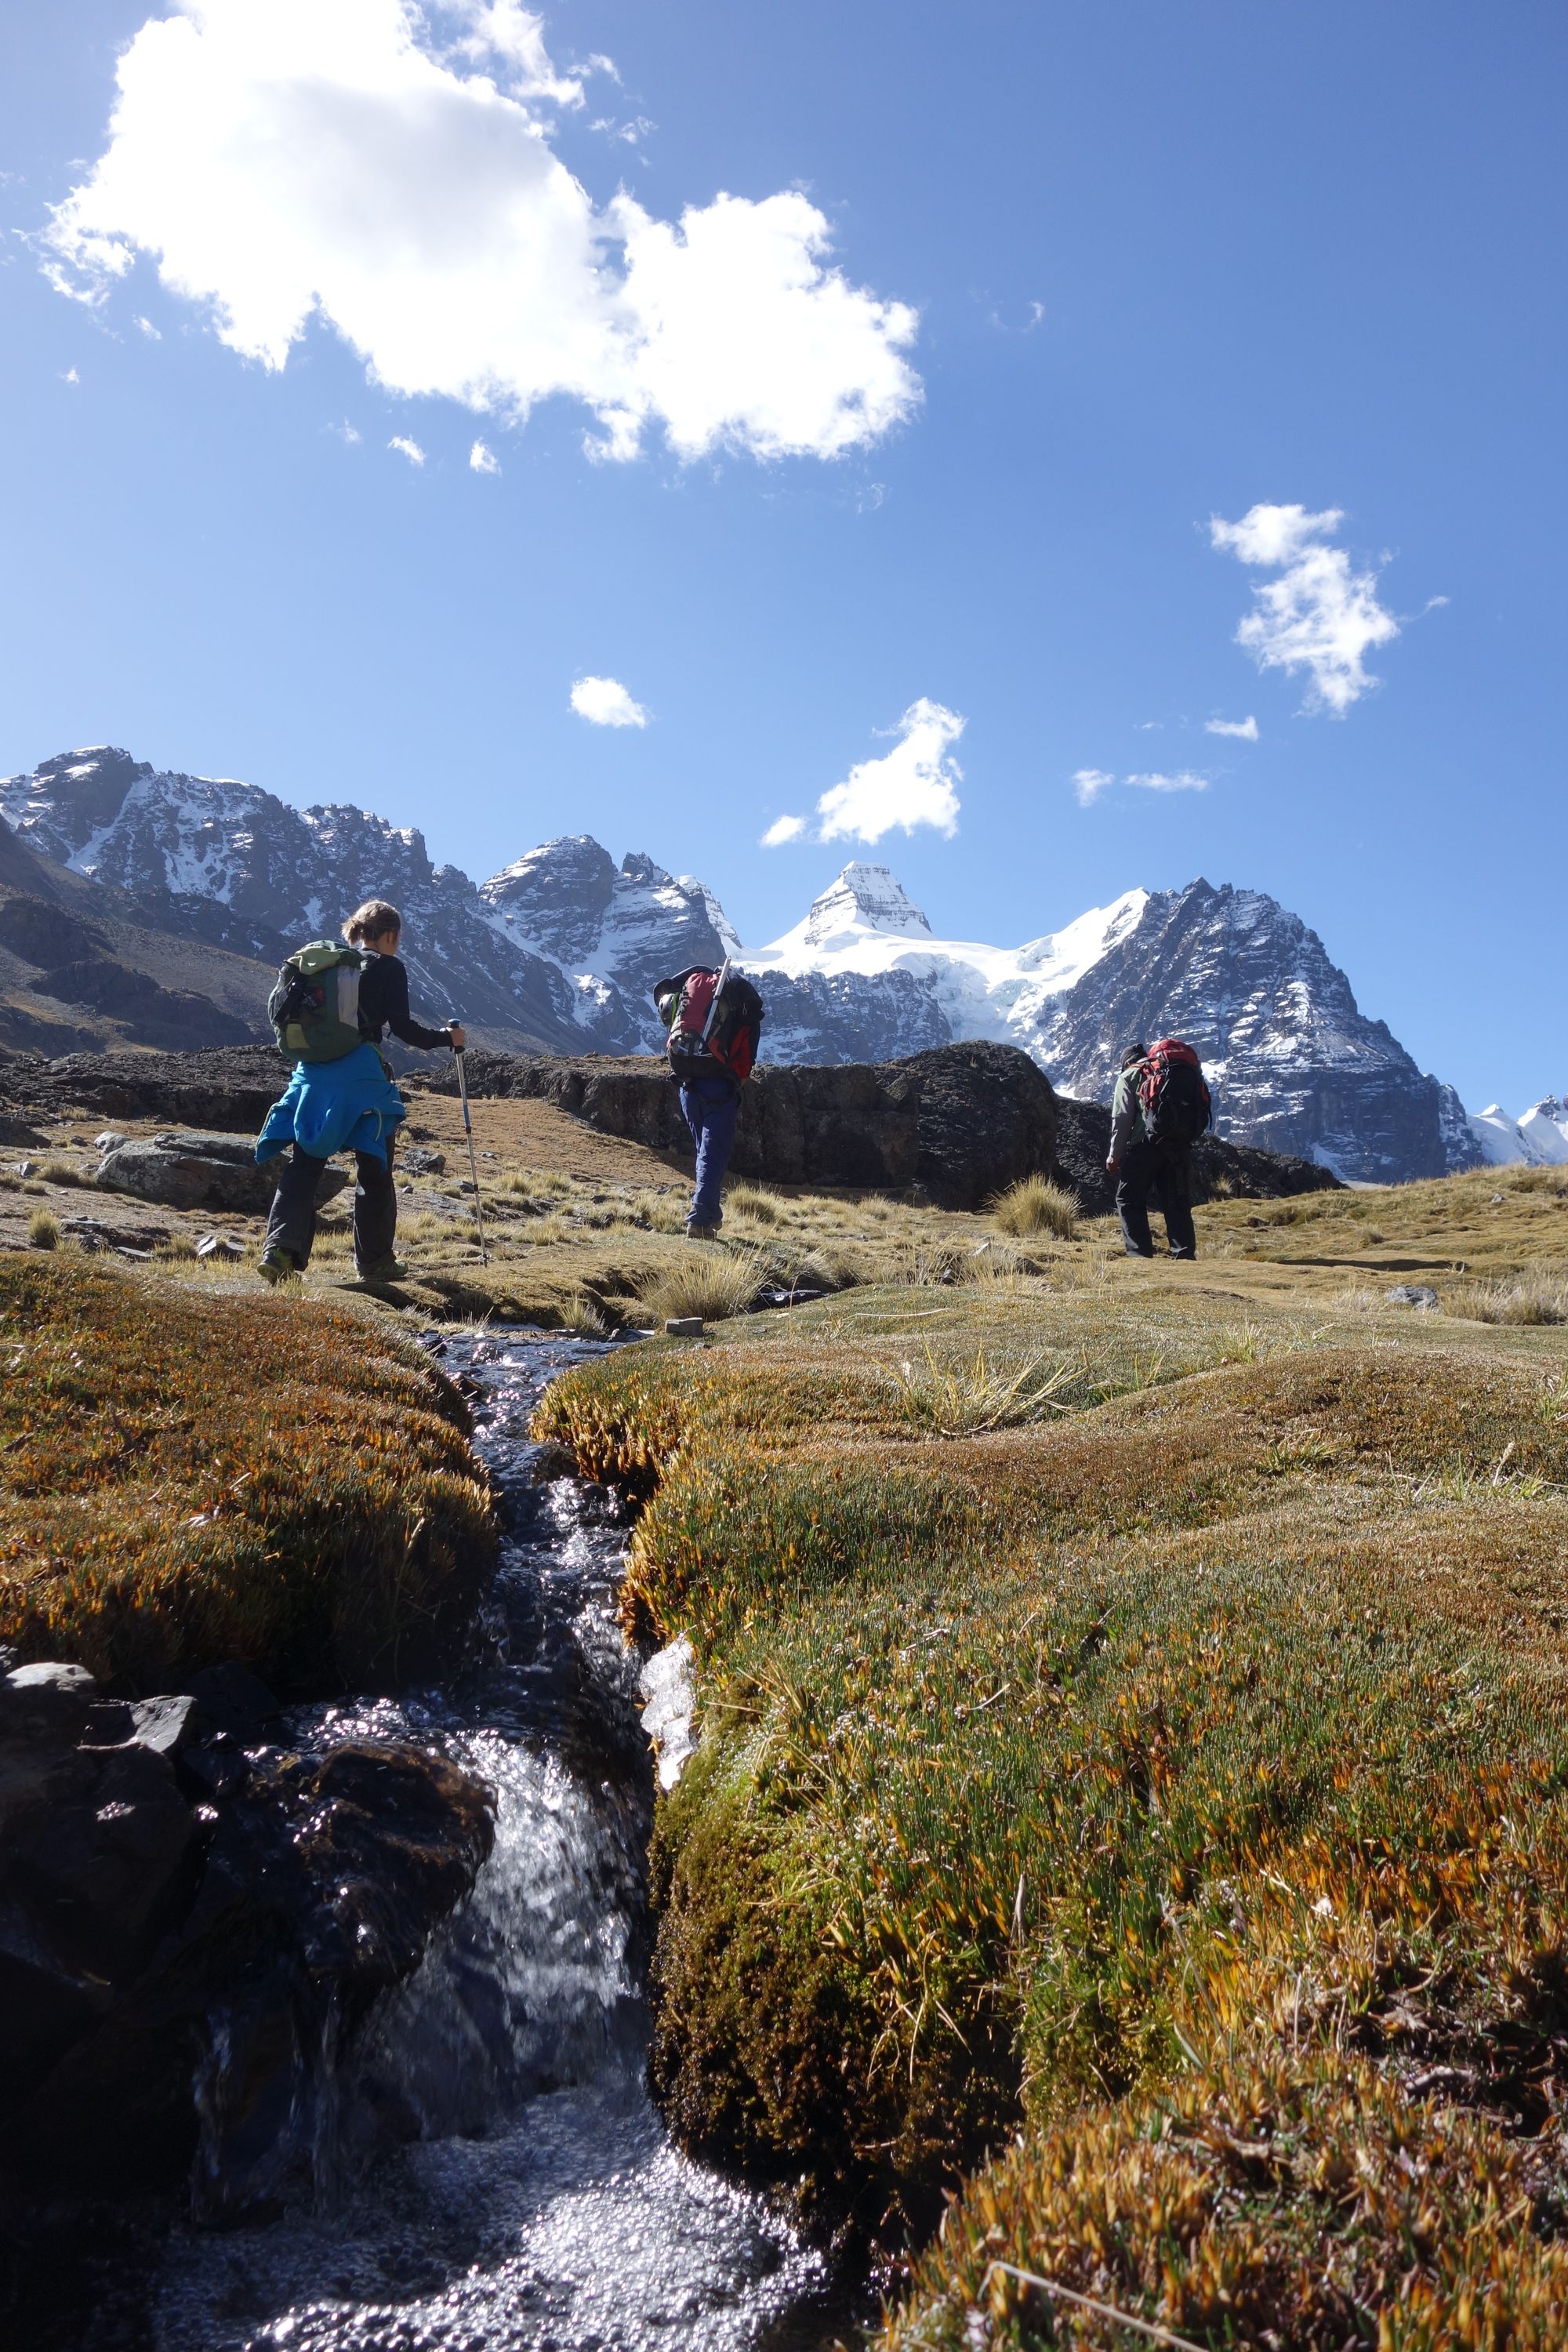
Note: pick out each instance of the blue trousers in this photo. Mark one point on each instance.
(710, 1110)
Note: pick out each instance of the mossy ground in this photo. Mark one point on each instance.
(1148, 1825)
(188, 1479)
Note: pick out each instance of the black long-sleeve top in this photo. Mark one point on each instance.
(384, 1004)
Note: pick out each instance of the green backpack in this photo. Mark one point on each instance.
(314, 1008)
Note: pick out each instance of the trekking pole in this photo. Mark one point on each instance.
(473, 1163)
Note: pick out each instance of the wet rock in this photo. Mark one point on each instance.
(171, 1971)
(236, 1701)
(47, 1702)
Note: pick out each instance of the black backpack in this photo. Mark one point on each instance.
(1173, 1094)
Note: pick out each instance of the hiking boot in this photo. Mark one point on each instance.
(276, 1265)
(385, 1269)
(701, 1232)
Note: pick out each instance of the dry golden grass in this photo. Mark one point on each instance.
(189, 1479)
(1035, 1205)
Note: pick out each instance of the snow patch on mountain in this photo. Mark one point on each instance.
(865, 926)
(1537, 1139)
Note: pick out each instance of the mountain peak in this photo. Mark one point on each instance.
(868, 896)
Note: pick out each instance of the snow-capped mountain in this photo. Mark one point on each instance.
(1538, 1139)
(558, 952)
(1294, 1065)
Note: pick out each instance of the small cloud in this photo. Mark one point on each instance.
(911, 784)
(409, 449)
(1088, 784)
(605, 702)
(1319, 616)
(1037, 317)
(783, 829)
(346, 433)
(482, 460)
(1244, 730)
(71, 376)
(152, 333)
(869, 497)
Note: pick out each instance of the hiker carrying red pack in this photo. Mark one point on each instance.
(1161, 1107)
(714, 1019)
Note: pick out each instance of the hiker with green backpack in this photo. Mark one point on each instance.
(334, 1000)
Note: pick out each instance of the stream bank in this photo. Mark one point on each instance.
(478, 2163)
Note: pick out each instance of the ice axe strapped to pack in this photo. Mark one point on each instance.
(314, 1007)
(1173, 1094)
(712, 1017)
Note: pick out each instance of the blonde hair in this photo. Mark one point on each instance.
(371, 921)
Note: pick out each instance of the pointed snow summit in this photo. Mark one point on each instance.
(864, 898)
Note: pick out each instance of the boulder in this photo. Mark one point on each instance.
(231, 1087)
(196, 1169)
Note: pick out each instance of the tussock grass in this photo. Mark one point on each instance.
(43, 1230)
(1171, 1792)
(1536, 1297)
(710, 1279)
(1035, 1205)
(189, 1478)
(958, 1400)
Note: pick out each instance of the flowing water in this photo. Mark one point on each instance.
(485, 2172)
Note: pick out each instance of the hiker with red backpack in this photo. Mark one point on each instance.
(714, 1019)
(1161, 1107)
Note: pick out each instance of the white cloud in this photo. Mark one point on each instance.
(71, 376)
(410, 449)
(911, 784)
(482, 460)
(346, 433)
(1088, 784)
(149, 331)
(605, 702)
(283, 161)
(1319, 616)
(783, 829)
(501, 33)
(1244, 730)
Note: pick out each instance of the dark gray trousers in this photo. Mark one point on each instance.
(1164, 1170)
(291, 1226)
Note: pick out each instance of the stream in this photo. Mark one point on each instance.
(484, 2171)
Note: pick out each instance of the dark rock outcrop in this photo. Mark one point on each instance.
(229, 1090)
(1220, 1170)
(955, 1125)
(181, 1916)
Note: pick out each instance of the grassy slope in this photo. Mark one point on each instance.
(1169, 1795)
(190, 1479)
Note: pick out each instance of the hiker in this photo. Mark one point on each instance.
(1161, 1107)
(714, 1019)
(333, 1005)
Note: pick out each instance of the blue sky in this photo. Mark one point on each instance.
(1170, 263)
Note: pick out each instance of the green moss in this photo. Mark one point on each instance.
(190, 1479)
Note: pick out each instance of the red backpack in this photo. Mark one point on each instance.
(711, 1016)
(1174, 1099)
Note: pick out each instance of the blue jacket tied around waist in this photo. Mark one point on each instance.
(328, 1106)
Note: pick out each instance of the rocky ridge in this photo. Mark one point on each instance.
(557, 952)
